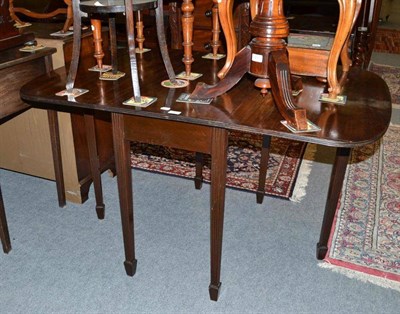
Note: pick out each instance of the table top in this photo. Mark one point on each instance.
(115, 6)
(13, 56)
(362, 120)
(17, 68)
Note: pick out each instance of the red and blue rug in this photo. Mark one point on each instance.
(365, 242)
(391, 75)
(387, 40)
(365, 239)
(244, 152)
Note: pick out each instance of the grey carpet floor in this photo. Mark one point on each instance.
(64, 260)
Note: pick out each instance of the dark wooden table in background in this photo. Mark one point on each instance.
(16, 69)
(204, 128)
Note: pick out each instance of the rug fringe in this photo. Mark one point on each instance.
(353, 274)
(299, 191)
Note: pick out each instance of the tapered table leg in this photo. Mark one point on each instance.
(4, 235)
(124, 178)
(219, 150)
(90, 129)
(56, 151)
(263, 168)
(335, 187)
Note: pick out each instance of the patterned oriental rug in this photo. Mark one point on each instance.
(391, 75)
(365, 240)
(287, 174)
(387, 40)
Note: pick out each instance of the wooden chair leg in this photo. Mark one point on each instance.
(215, 43)
(139, 30)
(263, 168)
(13, 16)
(113, 44)
(98, 42)
(4, 235)
(70, 16)
(226, 19)
(349, 10)
(187, 26)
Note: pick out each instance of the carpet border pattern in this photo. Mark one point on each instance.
(365, 239)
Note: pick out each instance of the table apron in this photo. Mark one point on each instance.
(181, 135)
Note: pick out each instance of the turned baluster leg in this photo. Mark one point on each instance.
(361, 45)
(98, 42)
(187, 28)
(215, 43)
(139, 28)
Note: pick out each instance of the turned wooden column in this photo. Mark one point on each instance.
(269, 28)
(266, 57)
(215, 43)
(270, 60)
(187, 28)
(367, 25)
(139, 31)
(98, 42)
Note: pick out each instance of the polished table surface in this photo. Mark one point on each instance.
(362, 120)
(10, 59)
(204, 128)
